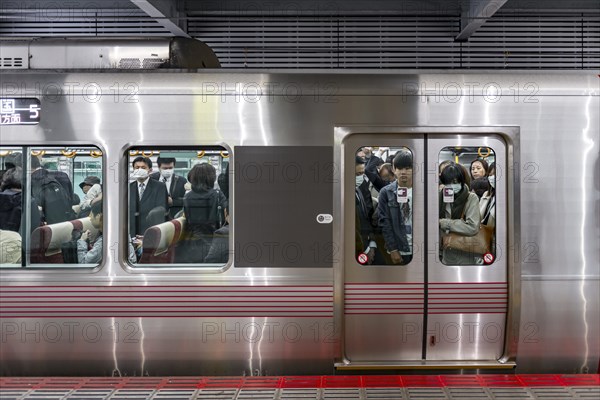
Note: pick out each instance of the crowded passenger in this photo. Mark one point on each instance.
(480, 186)
(479, 168)
(366, 241)
(379, 173)
(395, 210)
(148, 198)
(174, 183)
(458, 213)
(441, 168)
(487, 203)
(203, 209)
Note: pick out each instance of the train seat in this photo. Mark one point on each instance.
(46, 240)
(158, 245)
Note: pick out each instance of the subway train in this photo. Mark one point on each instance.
(300, 290)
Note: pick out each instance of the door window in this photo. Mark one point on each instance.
(384, 205)
(467, 205)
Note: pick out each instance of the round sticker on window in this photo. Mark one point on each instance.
(363, 258)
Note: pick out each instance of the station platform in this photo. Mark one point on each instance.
(379, 387)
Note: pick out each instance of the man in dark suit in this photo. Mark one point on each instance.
(148, 198)
(175, 183)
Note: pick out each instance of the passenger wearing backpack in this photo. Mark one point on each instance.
(54, 192)
(11, 202)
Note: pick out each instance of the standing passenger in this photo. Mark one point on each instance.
(148, 203)
(479, 168)
(460, 216)
(487, 204)
(54, 192)
(11, 200)
(175, 183)
(365, 241)
(395, 210)
(203, 209)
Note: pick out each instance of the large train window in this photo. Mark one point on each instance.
(467, 205)
(383, 206)
(51, 211)
(178, 206)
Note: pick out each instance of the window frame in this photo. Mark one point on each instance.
(175, 268)
(54, 269)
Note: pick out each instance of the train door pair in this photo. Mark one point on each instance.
(426, 274)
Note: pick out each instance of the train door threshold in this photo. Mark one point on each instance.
(425, 365)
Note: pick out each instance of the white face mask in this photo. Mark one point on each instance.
(455, 187)
(166, 173)
(139, 173)
(359, 180)
(492, 180)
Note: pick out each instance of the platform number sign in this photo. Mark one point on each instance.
(20, 111)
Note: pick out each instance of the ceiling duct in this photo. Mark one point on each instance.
(106, 53)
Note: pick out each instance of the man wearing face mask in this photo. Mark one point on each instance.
(175, 183)
(148, 198)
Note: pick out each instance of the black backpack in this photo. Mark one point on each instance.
(54, 200)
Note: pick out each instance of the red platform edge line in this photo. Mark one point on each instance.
(299, 382)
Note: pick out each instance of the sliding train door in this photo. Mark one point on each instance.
(384, 297)
(467, 287)
(424, 274)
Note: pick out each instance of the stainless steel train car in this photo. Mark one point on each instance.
(296, 293)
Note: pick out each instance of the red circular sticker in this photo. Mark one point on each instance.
(488, 258)
(363, 258)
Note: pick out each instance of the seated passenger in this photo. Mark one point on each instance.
(145, 196)
(11, 199)
(460, 216)
(10, 247)
(395, 218)
(219, 248)
(91, 187)
(93, 255)
(203, 209)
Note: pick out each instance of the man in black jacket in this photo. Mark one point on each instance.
(54, 193)
(175, 183)
(148, 198)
